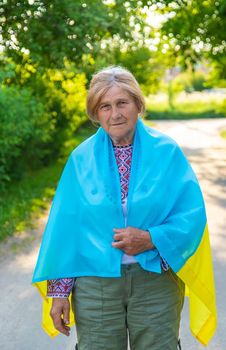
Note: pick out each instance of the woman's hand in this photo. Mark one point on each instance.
(132, 240)
(60, 313)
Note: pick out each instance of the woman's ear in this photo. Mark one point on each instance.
(139, 108)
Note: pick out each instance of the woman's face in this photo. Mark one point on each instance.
(117, 114)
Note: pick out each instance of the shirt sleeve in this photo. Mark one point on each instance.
(164, 264)
(60, 288)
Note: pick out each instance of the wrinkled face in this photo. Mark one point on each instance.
(117, 114)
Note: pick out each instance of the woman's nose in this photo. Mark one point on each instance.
(115, 112)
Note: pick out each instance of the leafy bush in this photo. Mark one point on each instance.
(65, 98)
(37, 121)
(25, 127)
(191, 81)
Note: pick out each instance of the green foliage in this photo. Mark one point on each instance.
(50, 50)
(195, 29)
(52, 31)
(24, 200)
(198, 81)
(215, 78)
(144, 64)
(38, 114)
(187, 81)
(191, 81)
(222, 107)
(7, 72)
(24, 130)
(185, 106)
(223, 133)
(64, 92)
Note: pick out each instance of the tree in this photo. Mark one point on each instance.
(147, 66)
(51, 31)
(195, 29)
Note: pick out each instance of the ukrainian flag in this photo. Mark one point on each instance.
(164, 198)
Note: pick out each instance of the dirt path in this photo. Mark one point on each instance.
(20, 303)
(207, 153)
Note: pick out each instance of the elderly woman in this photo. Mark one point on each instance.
(127, 230)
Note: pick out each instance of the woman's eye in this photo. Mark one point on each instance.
(105, 107)
(122, 103)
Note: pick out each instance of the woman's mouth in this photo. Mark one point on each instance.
(116, 124)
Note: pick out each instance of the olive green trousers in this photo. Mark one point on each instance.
(141, 306)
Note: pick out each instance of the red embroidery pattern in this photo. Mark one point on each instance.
(60, 288)
(123, 156)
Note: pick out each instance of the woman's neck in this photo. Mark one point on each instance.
(125, 141)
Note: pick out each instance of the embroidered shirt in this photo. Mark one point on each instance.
(123, 155)
(61, 288)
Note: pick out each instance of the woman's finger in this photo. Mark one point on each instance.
(119, 236)
(66, 314)
(118, 230)
(62, 328)
(119, 245)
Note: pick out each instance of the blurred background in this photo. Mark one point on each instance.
(48, 53)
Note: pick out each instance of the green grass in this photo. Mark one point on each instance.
(185, 107)
(24, 201)
(223, 134)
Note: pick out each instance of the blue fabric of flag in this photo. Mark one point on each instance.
(164, 197)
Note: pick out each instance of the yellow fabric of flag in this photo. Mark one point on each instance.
(197, 274)
(47, 322)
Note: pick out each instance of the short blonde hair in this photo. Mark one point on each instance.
(103, 80)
